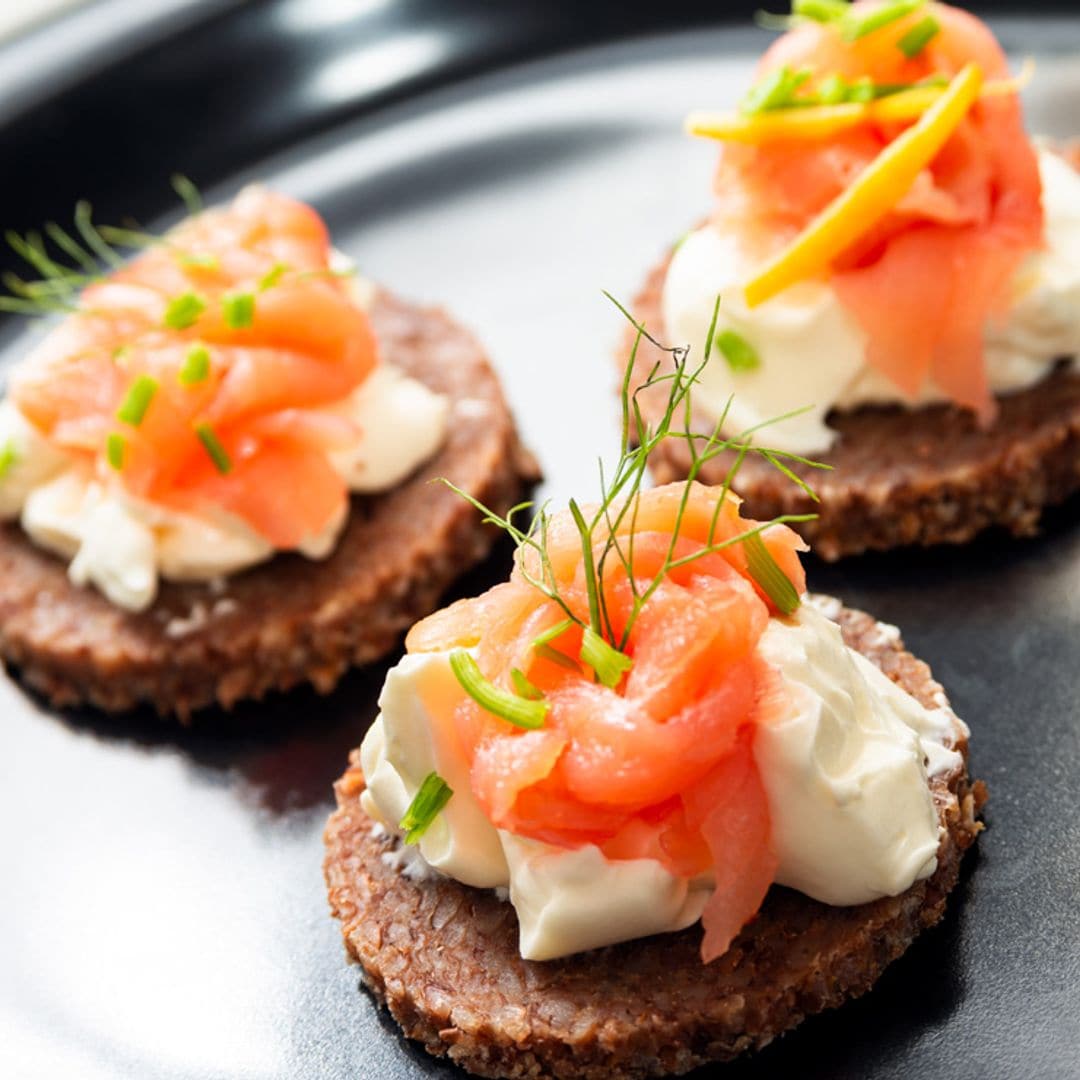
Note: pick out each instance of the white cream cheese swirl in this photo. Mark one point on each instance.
(844, 755)
(123, 545)
(812, 351)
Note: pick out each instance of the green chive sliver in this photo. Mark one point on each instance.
(857, 24)
(9, 458)
(832, 90)
(196, 368)
(609, 664)
(133, 408)
(541, 645)
(114, 450)
(919, 36)
(775, 91)
(822, 11)
(212, 445)
(184, 310)
(273, 276)
(238, 310)
(515, 710)
(737, 351)
(767, 573)
(199, 260)
(432, 795)
(523, 687)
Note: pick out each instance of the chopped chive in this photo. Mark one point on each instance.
(184, 310)
(428, 802)
(541, 645)
(9, 458)
(737, 351)
(273, 276)
(524, 687)
(775, 91)
(238, 309)
(133, 408)
(822, 11)
(832, 90)
(857, 24)
(919, 36)
(121, 353)
(862, 90)
(199, 260)
(196, 367)
(609, 664)
(556, 657)
(515, 710)
(115, 446)
(767, 573)
(552, 632)
(212, 445)
(679, 243)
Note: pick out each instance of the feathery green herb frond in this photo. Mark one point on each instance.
(607, 530)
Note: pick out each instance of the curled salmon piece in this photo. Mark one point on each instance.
(638, 768)
(250, 291)
(924, 281)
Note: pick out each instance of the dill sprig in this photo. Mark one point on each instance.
(68, 260)
(620, 489)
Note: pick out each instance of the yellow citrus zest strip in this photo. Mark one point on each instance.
(823, 121)
(877, 189)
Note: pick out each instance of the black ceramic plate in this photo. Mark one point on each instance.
(163, 911)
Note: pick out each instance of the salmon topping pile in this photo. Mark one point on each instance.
(201, 372)
(924, 278)
(659, 765)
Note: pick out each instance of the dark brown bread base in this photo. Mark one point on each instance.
(292, 620)
(444, 957)
(899, 476)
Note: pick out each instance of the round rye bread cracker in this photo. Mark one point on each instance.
(900, 476)
(444, 957)
(291, 620)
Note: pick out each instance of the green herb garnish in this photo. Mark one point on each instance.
(519, 711)
(852, 23)
(115, 445)
(273, 276)
(523, 687)
(212, 444)
(238, 310)
(919, 36)
(9, 457)
(776, 90)
(75, 259)
(737, 351)
(604, 648)
(609, 664)
(199, 260)
(133, 408)
(188, 192)
(196, 368)
(857, 24)
(184, 311)
(765, 570)
(428, 802)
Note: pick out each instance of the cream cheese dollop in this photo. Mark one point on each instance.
(843, 752)
(844, 755)
(813, 352)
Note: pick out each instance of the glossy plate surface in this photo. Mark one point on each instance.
(163, 911)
